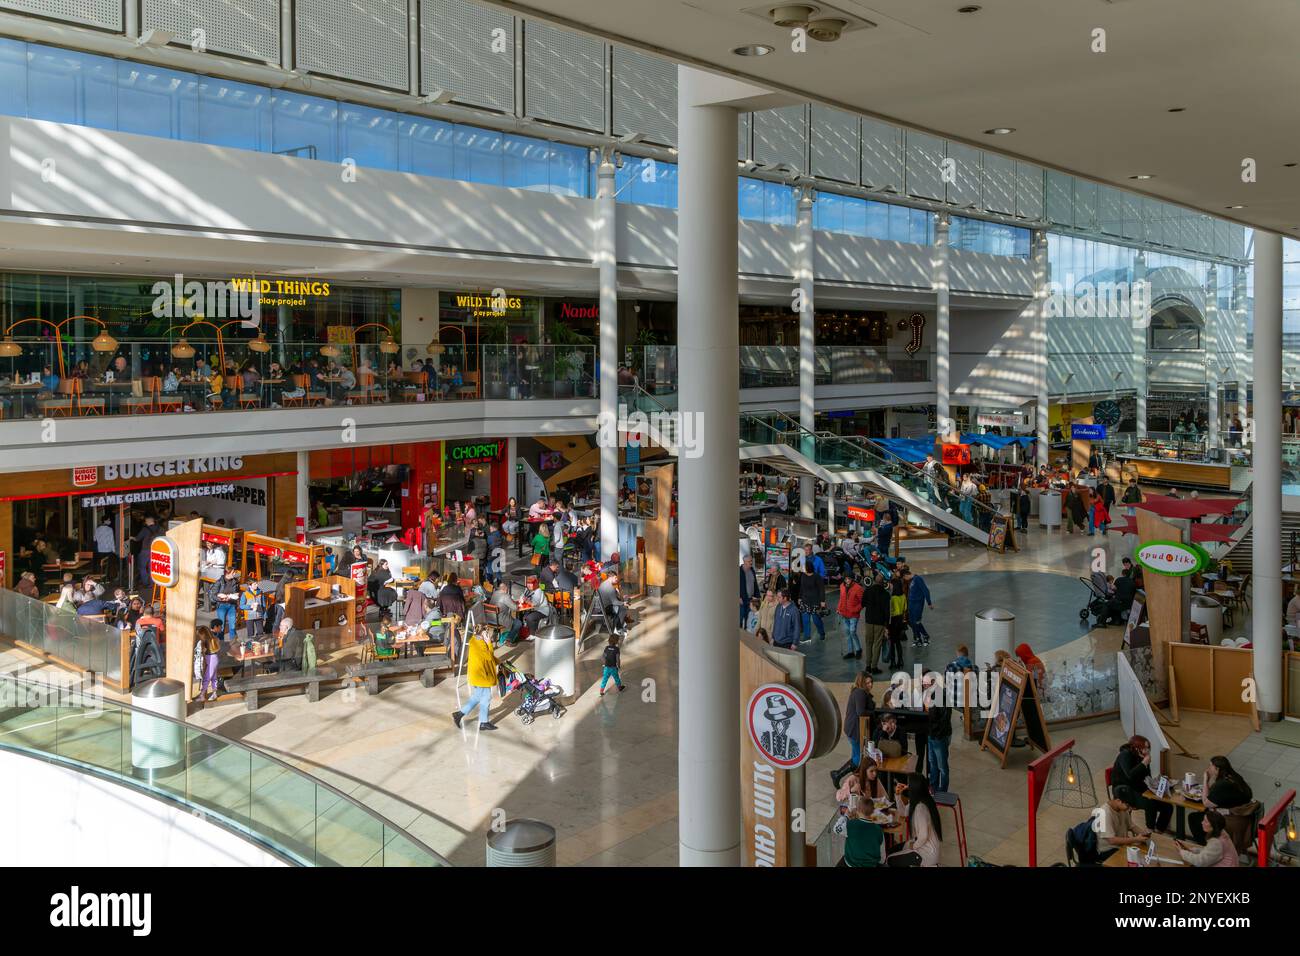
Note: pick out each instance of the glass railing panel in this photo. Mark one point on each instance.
(346, 835)
(93, 737)
(283, 807)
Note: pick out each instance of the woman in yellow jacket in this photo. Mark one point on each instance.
(482, 673)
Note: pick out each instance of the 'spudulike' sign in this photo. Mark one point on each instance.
(780, 725)
(1170, 558)
(164, 564)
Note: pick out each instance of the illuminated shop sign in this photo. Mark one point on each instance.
(476, 453)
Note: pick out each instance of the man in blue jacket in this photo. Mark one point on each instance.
(787, 625)
(918, 597)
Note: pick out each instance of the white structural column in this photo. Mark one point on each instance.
(1266, 458)
(1041, 314)
(804, 254)
(607, 266)
(1140, 317)
(1213, 359)
(942, 328)
(303, 508)
(708, 340)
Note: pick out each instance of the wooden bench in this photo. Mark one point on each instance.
(251, 686)
(426, 666)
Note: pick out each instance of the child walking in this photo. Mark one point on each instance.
(611, 661)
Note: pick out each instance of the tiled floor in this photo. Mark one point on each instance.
(605, 775)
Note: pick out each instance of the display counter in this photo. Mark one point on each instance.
(1177, 471)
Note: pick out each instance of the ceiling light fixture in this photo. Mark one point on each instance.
(970, 8)
(1176, 109)
(1142, 176)
(1234, 207)
(753, 49)
(792, 14)
(1289, 165)
(827, 29)
(999, 131)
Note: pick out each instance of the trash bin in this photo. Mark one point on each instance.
(995, 630)
(157, 746)
(1049, 509)
(1209, 613)
(554, 657)
(522, 843)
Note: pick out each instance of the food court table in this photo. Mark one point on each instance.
(20, 391)
(1181, 804)
(113, 393)
(1166, 854)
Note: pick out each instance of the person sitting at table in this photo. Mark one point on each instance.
(866, 782)
(149, 617)
(539, 609)
(886, 731)
(26, 585)
(121, 370)
(216, 389)
(88, 590)
(1215, 847)
(251, 378)
(1113, 823)
(1132, 768)
(1222, 789)
(451, 599)
(67, 596)
(864, 839)
(288, 651)
(922, 823)
(613, 603)
(49, 382)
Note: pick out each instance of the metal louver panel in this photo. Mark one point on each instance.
(781, 136)
(245, 28)
(564, 77)
(1085, 204)
(1029, 191)
(352, 41)
(882, 156)
(645, 96)
(963, 189)
(924, 154)
(999, 184)
(1060, 198)
(834, 144)
(1135, 226)
(1110, 211)
(96, 13)
(743, 124)
(461, 51)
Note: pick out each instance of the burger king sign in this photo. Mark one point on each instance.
(164, 562)
(1171, 558)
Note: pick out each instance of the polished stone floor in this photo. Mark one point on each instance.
(605, 775)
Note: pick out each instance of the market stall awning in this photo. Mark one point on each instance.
(908, 449)
(1201, 533)
(1168, 507)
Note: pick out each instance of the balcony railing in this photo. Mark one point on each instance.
(777, 366)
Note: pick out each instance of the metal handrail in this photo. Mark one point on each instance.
(239, 745)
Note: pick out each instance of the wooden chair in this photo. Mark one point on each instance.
(86, 406)
(1229, 598)
(147, 403)
(365, 392)
(249, 400)
(63, 406)
(310, 397)
(294, 401)
(470, 387)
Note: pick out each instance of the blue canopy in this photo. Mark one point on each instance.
(997, 442)
(908, 449)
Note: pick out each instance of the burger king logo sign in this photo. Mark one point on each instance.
(164, 563)
(1171, 558)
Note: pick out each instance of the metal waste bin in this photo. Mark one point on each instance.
(1208, 612)
(995, 630)
(1049, 509)
(555, 658)
(157, 746)
(522, 843)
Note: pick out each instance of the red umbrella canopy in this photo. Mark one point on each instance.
(1168, 507)
(1216, 533)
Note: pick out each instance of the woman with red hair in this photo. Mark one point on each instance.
(1132, 768)
(1032, 663)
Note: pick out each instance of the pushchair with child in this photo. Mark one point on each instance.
(540, 695)
(1098, 605)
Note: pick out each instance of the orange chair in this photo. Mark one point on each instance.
(421, 380)
(147, 403)
(64, 405)
(470, 387)
(168, 403)
(86, 406)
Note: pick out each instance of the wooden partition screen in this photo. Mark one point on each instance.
(1213, 679)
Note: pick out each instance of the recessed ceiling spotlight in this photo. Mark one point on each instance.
(1176, 109)
(792, 14)
(753, 49)
(970, 8)
(1234, 207)
(1289, 165)
(1142, 176)
(999, 131)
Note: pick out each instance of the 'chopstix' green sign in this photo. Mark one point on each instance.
(475, 453)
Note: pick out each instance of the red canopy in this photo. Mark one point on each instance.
(1168, 507)
(1201, 533)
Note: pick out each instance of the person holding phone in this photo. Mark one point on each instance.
(1218, 848)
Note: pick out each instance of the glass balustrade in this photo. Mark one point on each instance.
(261, 797)
(40, 378)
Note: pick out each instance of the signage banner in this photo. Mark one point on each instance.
(89, 476)
(859, 513)
(156, 494)
(164, 562)
(999, 420)
(956, 454)
(1170, 558)
(1087, 432)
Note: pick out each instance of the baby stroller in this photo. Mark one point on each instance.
(1098, 604)
(539, 696)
